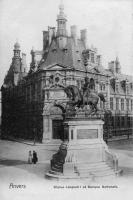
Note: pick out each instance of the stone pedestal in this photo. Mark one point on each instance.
(85, 140)
(85, 154)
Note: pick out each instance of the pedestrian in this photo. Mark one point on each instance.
(30, 158)
(35, 158)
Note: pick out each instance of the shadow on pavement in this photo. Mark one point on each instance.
(10, 162)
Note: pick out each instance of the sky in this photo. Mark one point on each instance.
(108, 22)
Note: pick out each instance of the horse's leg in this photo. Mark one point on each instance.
(91, 107)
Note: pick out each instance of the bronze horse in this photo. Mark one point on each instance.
(80, 98)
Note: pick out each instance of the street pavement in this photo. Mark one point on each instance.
(14, 168)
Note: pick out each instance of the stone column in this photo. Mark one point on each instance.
(47, 128)
(46, 137)
(69, 135)
(50, 128)
(47, 123)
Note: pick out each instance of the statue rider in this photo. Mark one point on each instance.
(85, 85)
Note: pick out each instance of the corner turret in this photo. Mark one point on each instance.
(17, 69)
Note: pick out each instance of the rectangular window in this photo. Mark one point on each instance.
(118, 121)
(117, 88)
(122, 121)
(122, 104)
(128, 122)
(111, 103)
(117, 103)
(92, 57)
(28, 93)
(127, 102)
(39, 90)
(33, 91)
(112, 122)
(127, 88)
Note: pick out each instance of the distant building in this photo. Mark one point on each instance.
(33, 103)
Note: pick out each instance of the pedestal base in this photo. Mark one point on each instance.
(85, 155)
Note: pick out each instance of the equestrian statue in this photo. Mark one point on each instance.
(84, 96)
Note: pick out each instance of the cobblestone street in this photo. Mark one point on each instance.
(15, 169)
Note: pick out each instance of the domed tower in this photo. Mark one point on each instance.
(118, 67)
(61, 27)
(61, 22)
(16, 60)
(14, 73)
(17, 49)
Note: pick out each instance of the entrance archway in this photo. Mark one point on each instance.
(56, 115)
(53, 118)
(92, 84)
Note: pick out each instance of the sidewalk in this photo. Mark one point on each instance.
(31, 142)
(123, 137)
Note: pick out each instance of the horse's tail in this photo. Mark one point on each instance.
(101, 95)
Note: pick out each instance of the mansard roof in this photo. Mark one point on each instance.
(120, 76)
(70, 55)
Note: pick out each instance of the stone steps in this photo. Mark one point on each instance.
(95, 170)
(96, 173)
(91, 164)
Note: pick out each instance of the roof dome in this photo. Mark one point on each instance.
(16, 46)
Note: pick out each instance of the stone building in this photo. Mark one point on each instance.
(33, 103)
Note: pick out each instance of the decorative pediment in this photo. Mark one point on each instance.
(57, 67)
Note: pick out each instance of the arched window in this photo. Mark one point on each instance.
(92, 84)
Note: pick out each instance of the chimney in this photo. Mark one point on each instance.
(83, 36)
(99, 58)
(118, 67)
(45, 39)
(74, 32)
(24, 65)
(111, 66)
(51, 33)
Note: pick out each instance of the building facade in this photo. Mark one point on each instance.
(34, 102)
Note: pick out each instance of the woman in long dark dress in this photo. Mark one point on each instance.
(35, 158)
(30, 158)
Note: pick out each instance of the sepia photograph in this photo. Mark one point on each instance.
(66, 99)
